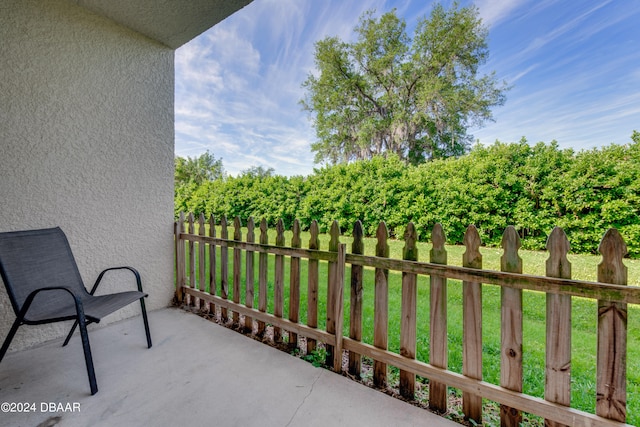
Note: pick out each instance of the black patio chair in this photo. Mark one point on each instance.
(44, 286)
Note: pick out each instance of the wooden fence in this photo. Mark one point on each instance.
(200, 251)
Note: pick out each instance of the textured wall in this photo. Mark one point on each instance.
(86, 139)
(172, 22)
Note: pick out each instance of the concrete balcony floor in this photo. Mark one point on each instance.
(196, 374)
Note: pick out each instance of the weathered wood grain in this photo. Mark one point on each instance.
(611, 383)
(294, 285)
(438, 320)
(179, 230)
(408, 320)
(262, 275)
(381, 307)
(201, 259)
(312, 285)
(511, 325)
(192, 260)
(472, 325)
(355, 317)
(237, 267)
(278, 286)
(558, 336)
(224, 268)
(212, 264)
(334, 244)
(249, 275)
(338, 310)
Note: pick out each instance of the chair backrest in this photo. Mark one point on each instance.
(35, 259)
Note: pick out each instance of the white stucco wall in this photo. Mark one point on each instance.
(86, 143)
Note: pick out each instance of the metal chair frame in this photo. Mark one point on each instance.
(78, 295)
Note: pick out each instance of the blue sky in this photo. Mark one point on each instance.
(574, 68)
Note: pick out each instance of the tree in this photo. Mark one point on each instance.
(258, 172)
(190, 177)
(197, 170)
(385, 93)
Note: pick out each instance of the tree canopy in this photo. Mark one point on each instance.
(191, 174)
(533, 187)
(388, 93)
(197, 169)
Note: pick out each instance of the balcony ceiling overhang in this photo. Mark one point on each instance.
(170, 22)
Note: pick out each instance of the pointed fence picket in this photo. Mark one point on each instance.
(472, 325)
(511, 320)
(331, 295)
(278, 288)
(212, 262)
(201, 262)
(262, 276)
(438, 324)
(355, 317)
(610, 291)
(611, 387)
(237, 263)
(249, 281)
(224, 268)
(408, 319)
(294, 285)
(558, 364)
(381, 307)
(192, 263)
(312, 286)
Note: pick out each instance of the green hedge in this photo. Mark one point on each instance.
(533, 188)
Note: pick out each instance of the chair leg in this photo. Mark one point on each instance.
(73, 328)
(87, 354)
(7, 341)
(146, 322)
(144, 318)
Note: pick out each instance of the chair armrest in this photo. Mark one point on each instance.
(131, 269)
(32, 295)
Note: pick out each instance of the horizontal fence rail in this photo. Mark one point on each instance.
(197, 253)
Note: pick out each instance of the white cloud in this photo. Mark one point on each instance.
(544, 39)
(251, 114)
(493, 12)
(238, 85)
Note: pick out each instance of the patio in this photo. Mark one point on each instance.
(209, 375)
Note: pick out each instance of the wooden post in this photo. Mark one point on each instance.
(278, 289)
(212, 265)
(611, 387)
(355, 322)
(472, 325)
(201, 262)
(334, 243)
(438, 330)
(294, 285)
(224, 268)
(558, 344)
(262, 275)
(338, 309)
(409, 313)
(249, 280)
(381, 308)
(511, 339)
(237, 267)
(180, 258)
(312, 286)
(192, 260)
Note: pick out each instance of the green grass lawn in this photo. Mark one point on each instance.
(584, 316)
